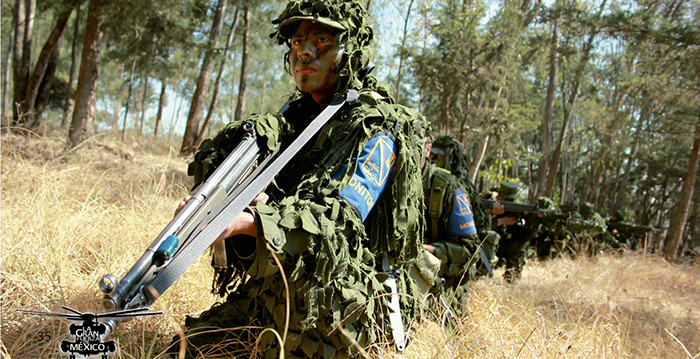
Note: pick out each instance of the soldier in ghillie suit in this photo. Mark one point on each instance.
(451, 232)
(551, 235)
(599, 239)
(342, 223)
(449, 154)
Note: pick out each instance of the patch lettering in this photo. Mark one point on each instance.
(461, 222)
(376, 162)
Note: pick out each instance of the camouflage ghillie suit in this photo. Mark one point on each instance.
(600, 239)
(451, 231)
(551, 233)
(326, 224)
(455, 160)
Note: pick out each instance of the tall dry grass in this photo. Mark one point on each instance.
(68, 217)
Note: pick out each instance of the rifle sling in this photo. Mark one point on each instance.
(225, 213)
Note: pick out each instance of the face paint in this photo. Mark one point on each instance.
(314, 57)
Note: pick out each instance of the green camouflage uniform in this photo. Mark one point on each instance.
(451, 230)
(330, 257)
(551, 234)
(515, 239)
(599, 239)
(626, 232)
(456, 161)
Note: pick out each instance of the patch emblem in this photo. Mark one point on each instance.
(379, 171)
(461, 222)
(376, 162)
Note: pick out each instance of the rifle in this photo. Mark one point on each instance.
(219, 200)
(512, 206)
(136, 289)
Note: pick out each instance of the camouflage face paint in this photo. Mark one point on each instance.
(314, 55)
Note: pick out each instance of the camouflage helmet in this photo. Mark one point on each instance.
(545, 203)
(508, 190)
(350, 18)
(456, 158)
(569, 206)
(618, 216)
(586, 208)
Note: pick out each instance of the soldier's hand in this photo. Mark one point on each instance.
(497, 208)
(181, 205)
(429, 248)
(508, 221)
(262, 197)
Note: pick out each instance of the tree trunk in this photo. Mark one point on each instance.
(20, 63)
(548, 110)
(176, 117)
(242, 84)
(46, 85)
(76, 30)
(678, 221)
(200, 92)
(624, 183)
(84, 112)
(6, 73)
(481, 147)
(401, 50)
(40, 69)
(217, 84)
(161, 105)
(128, 97)
(144, 101)
(554, 164)
(117, 110)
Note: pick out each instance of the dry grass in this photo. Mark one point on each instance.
(68, 217)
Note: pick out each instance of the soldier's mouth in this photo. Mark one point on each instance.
(306, 71)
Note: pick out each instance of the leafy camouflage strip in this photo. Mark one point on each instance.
(328, 255)
(456, 158)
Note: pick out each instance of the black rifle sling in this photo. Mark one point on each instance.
(224, 214)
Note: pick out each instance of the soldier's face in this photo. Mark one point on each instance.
(314, 57)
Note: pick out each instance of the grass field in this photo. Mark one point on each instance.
(69, 217)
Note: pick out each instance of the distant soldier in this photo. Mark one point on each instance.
(626, 232)
(450, 154)
(600, 239)
(515, 236)
(451, 233)
(551, 236)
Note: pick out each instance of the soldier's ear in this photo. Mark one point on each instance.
(428, 147)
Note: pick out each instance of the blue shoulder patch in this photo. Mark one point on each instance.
(374, 166)
(461, 222)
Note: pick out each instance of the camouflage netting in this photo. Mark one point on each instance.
(456, 158)
(327, 253)
(329, 257)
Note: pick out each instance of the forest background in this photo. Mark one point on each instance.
(594, 101)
